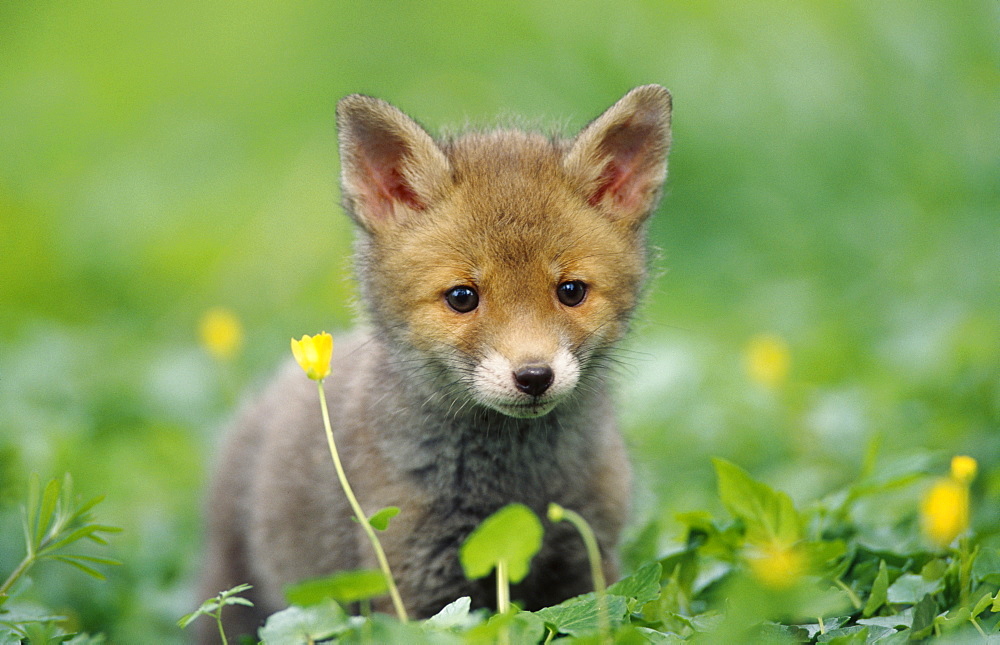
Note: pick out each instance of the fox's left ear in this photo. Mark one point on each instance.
(620, 159)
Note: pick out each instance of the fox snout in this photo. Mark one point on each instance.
(524, 388)
(533, 379)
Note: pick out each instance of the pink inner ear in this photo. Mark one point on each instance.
(626, 174)
(611, 181)
(393, 187)
(622, 180)
(385, 186)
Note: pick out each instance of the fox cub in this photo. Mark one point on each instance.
(498, 270)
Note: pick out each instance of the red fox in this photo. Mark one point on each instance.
(498, 270)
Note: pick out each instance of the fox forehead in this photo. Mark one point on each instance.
(514, 226)
(512, 204)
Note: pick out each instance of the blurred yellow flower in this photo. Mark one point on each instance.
(778, 566)
(767, 359)
(944, 511)
(313, 354)
(221, 333)
(963, 469)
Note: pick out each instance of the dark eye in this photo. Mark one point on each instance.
(462, 299)
(571, 293)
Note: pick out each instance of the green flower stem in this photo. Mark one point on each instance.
(503, 588)
(503, 599)
(855, 601)
(397, 601)
(557, 513)
(218, 621)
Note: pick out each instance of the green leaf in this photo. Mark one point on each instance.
(910, 588)
(952, 619)
(578, 616)
(304, 624)
(455, 614)
(380, 520)
(49, 500)
(982, 604)
(520, 627)
(513, 535)
(71, 560)
(986, 567)
(853, 635)
(207, 608)
(31, 510)
(769, 515)
(643, 585)
(879, 595)
(895, 621)
(924, 613)
(69, 538)
(344, 586)
(82, 511)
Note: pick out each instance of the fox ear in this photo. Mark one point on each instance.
(620, 159)
(390, 166)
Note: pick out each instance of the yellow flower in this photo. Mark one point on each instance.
(221, 333)
(778, 566)
(767, 360)
(963, 469)
(313, 354)
(944, 511)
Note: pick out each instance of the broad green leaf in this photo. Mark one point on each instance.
(769, 515)
(380, 520)
(578, 616)
(814, 629)
(909, 588)
(513, 535)
(880, 587)
(707, 622)
(853, 635)
(924, 613)
(344, 587)
(986, 567)
(455, 614)
(381, 629)
(520, 627)
(771, 632)
(658, 637)
(304, 624)
(895, 621)
(983, 603)
(934, 569)
(643, 585)
(951, 619)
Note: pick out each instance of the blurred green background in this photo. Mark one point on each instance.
(834, 186)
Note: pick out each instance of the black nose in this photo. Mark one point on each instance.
(533, 379)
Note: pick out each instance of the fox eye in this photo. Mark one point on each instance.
(571, 293)
(462, 299)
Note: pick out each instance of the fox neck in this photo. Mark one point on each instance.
(438, 436)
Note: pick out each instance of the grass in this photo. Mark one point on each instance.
(833, 183)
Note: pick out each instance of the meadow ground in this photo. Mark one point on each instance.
(829, 240)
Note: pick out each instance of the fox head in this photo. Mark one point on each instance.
(503, 266)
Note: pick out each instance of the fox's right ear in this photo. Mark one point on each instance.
(390, 166)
